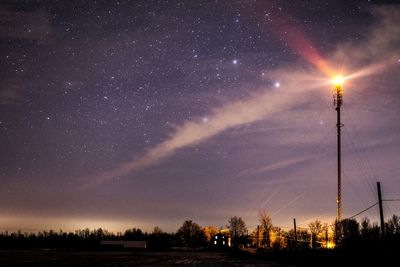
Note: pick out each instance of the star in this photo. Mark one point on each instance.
(120, 84)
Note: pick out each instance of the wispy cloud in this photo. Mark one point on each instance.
(377, 46)
(296, 82)
(256, 107)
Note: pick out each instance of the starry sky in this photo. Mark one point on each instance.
(121, 114)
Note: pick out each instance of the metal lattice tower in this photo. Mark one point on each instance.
(338, 102)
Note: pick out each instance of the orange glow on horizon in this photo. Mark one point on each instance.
(330, 245)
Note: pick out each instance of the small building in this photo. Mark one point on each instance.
(121, 244)
(221, 240)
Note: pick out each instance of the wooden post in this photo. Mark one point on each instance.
(295, 232)
(381, 209)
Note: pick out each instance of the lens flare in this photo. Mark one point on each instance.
(338, 81)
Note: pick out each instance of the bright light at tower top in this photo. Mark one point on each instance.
(338, 81)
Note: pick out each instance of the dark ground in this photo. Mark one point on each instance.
(30, 258)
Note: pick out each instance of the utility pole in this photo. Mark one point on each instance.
(338, 102)
(295, 232)
(381, 209)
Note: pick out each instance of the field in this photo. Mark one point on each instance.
(30, 258)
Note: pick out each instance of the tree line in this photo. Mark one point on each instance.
(266, 236)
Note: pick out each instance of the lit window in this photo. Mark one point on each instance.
(215, 242)
(216, 237)
(223, 242)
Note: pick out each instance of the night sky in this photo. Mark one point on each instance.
(121, 114)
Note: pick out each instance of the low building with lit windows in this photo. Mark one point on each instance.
(221, 240)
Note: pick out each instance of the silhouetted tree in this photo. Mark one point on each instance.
(392, 227)
(157, 230)
(279, 240)
(238, 230)
(266, 227)
(364, 236)
(159, 240)
(338, 232)
(303, 238)
(365, 227)
(316, 229)
(191, 234)
(134, 234)
(350, 232)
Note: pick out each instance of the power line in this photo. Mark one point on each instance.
(370, 207)
(360, 163)
(356, 194)
(351, 217)
(354, 126)
(395, 199)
